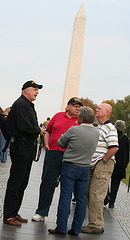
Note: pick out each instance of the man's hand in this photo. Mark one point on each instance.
(47, 147)
(111, 151)
(43, 131)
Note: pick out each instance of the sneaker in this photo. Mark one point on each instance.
(38, 218)
(12, 221)
(20, 219)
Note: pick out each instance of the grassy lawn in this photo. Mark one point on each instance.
(127, 175)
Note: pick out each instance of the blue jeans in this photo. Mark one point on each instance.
(73, 178)
(2, 145)
(51, 170)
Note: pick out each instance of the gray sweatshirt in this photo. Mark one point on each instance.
(80, 143)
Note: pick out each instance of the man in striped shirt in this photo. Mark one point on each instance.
(101, 169)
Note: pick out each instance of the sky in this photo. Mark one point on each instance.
(35, 40)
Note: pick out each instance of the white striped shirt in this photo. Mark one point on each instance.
(107, 138)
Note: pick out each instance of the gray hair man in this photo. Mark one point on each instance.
(86, 115)
(80, 143)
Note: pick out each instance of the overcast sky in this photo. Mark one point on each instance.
(35, 39)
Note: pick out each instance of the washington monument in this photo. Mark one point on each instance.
(75, 59)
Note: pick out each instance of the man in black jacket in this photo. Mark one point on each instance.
(24, 130)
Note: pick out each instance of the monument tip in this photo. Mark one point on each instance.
(81, 12)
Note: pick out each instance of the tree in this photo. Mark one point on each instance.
(111, 102)
(121, 111)
(89, 103)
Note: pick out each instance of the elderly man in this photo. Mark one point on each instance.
(58, 125)
(101, 169)
(24, 130)
(80, 143)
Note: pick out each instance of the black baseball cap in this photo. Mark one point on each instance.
(31, 83)
(74, 101)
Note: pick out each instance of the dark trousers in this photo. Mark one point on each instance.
(21, 153)
(115, 183)
(51, 170)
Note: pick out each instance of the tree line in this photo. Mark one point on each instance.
(120, 110)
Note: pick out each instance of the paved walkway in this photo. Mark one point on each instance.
(117, 220)
(121, 211)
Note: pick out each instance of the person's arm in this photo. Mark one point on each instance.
(111, 151)
(63, 140)
(46, 140)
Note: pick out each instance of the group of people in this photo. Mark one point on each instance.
(77, 151)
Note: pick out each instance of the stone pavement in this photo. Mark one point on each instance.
(117, 220)
(121, 210)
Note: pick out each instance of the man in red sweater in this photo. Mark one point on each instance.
(58, 125)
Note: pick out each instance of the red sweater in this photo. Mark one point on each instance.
(58, 125)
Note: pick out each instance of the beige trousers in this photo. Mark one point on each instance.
(97, 188)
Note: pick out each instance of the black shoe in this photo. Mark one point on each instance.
(55, 231)
(70, 232)
(111, 205)
(107, 200)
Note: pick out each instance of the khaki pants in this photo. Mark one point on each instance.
(97, 188)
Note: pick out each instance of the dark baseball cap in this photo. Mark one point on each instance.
(31, 83)
(74, 101)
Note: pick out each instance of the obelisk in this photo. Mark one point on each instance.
(72, 81)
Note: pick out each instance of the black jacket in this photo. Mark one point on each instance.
(23, 119)
(121, 156)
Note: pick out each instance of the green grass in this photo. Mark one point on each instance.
(127, 175)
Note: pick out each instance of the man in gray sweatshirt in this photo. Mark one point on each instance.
(80, 143)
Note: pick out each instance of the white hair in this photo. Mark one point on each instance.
(120, 125)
